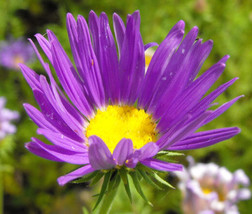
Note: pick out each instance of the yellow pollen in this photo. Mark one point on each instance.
(117, 122)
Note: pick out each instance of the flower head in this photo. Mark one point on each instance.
(6, 116)
(208, 188)
(14, 52)
(112, 115)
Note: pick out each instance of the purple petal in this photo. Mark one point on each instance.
(180, 78)
(75, 174)
(149, 45)
(176, 60)
(52, 116)
(89, 64)
(108, 60)
(119, 29)
(204, 139)
(99, 155)
(93, 22)
(221, 109)
(63, 141)
(56, 153)
(162, 165)
(122, 151)
(132, 61)
(148, 150)
(188, 99)
(68, 77)
(173, 136)
(38, 117)
(204, 104)
(31, 77)
(159, 63)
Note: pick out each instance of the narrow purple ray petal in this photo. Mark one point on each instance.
(45, 45)
(190, 97)
(122, 151)
(90, 70)
(204, 104)
(159, 62)
(173, 66)
(69, 81)
(108, 61)
(119, 29)
(148, 150)
(56, 153)
(59, 152)
(30, 76)
(162, 165)
(38, 117)
(75, 174)
(99, 155)
(53, 117)
(204, 139)
(93, 22)
(191, 61)
(174, 136)
(35, 149)
(132, 61)
(149, 45)
(221, 110)
(63, 141)
(45, 65)
(54, 98)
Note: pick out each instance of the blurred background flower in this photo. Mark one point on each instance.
(13, 52)
(227, 23)
(209, 188)
(6, 117)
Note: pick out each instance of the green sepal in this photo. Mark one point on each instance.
(97, 177)
(85, 178)
(169, 153)
(124, 176)
(148, 179)
(110, 194)
(103, 188)
(138, 187)
(162, 181)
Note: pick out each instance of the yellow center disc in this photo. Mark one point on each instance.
(117, 122)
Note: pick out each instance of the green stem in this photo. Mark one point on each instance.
(108, 201)
(1, 188)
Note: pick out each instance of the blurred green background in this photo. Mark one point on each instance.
(30, 182)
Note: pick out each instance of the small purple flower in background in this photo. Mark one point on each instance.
(120, 119)
(6, 116)
(208, 188)
(13, 52)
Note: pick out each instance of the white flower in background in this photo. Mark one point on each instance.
(6, 116)
(210, 189)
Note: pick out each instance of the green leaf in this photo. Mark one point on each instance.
(124, 176)
(103, 188)
(148, 179)
(162, 181)
(138, 187)
(97, 177)
(85, 178)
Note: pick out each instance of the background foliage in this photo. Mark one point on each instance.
(30, 182)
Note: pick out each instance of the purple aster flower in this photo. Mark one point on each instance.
(108, 114)
(14, 52)
(208, 188)
(6, 116)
